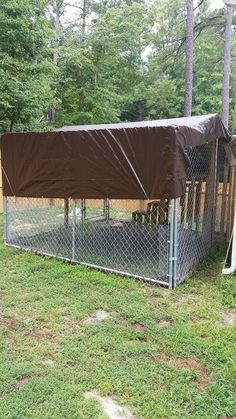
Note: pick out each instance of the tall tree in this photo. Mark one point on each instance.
(188, 94)
(227, 63)
(24, 89)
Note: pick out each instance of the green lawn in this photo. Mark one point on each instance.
(162, 354)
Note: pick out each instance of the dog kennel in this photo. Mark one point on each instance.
(146, 199)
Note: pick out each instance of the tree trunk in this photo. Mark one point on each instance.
(57, 7)
(57, 25)
(52, 114)
(84, 15)
(11, 125)
(189, 60)
(140, 110)
(227, 62)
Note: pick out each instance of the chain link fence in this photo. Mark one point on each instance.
(159, 241)
(203, 209)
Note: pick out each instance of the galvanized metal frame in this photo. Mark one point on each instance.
(173, 243)
(73, 228)
(5, 219)
(90, 265)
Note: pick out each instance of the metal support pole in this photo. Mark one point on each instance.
(170, 243)
(73, 227)
(104, 208)
(175, 244)
(107, 209)
(5, 218)
(83, 210)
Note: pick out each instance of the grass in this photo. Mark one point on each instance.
(163, 354)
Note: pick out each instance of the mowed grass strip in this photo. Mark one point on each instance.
(66, 331)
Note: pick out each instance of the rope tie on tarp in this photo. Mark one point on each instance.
(8, 181)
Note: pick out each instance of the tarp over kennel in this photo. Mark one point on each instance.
(140, 160)
(145, 199)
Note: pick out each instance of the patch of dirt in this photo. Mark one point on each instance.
(24, 379)
(138, 326)
(122, 320)
(10, 341)
(198, 319)
(9, 322)
(227, 417)
(229, 317)
(49, 362)
(40, 334)
(98, 317)
(153, 299)
(189, 363)
(70, 323)
(185, 363)
(110, 407)
(164, 323)
(183, 299)
(149, 288)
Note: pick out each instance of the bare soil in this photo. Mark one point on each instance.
(95, 318)
(228, 317)
(112, 409)
(185, 363)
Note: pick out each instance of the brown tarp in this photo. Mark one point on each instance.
(233, 146)
(142, 160)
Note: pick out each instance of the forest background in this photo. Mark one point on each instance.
(100, 61)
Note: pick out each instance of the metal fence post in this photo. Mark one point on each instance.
(175, 244)
(5, 219)
(73, 227)
(83, 210)
(170, 243)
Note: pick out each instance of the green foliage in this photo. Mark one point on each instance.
(83, 98)
(127, 64)
(24, 71)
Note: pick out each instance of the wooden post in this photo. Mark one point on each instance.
(224, 200)
(191, 193)
(51, 202)
(230, 214)
(209, 207)
(182, 204)
(83, 210)
(142, 205)
(198, 203)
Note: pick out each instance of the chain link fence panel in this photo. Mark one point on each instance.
(158, 240)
